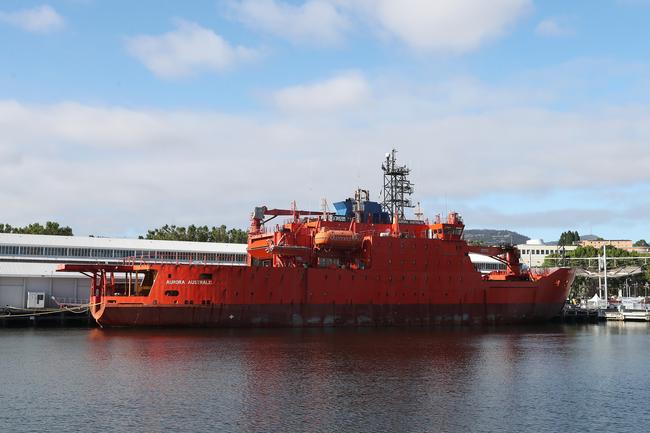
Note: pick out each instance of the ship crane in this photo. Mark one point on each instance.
(257, 218)
(287, 246)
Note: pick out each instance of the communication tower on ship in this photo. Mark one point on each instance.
(397, 187)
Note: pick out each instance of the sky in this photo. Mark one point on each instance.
(118, 117)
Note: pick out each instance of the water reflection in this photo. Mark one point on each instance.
(453, 379)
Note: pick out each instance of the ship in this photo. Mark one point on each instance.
(364, 264)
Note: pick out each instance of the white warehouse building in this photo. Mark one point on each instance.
(534, 252)
(28, 263)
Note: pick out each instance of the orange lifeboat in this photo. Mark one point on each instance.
(338, 239)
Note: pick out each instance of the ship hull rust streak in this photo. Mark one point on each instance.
(251, 315)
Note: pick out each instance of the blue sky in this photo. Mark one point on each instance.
(121, 116)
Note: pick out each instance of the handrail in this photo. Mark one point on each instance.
(144, 260)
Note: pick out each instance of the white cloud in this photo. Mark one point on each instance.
(187, 50)
(317, 22)
(492, 216)
(41, 19)
(344, 91)
(554, 27)
(432, 26)
(443, 25)
(113, 170)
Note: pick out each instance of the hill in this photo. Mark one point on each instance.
(494, 237)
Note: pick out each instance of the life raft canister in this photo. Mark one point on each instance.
(338, 239)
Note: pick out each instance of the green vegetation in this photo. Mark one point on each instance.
(641, 243)
(568, 258)
(198, 234)
(569, 238)
(50, 228)
(166, 232)
(584, 287)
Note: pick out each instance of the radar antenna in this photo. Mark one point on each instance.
(397, 187)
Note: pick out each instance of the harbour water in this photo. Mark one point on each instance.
(554, 378)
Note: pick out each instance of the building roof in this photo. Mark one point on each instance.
(553, 247)
(480, 258)
(605, 240)
(118, 243)
(625, 271)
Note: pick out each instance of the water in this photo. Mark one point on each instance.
(552, 378)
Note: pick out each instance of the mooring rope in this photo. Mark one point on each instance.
(79, 310)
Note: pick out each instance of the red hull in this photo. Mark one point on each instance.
(247, 316)
(294, 297)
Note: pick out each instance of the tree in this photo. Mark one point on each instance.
(569, 238)
(50, 228)
(590, 252)
(197, 234)
(641, 243)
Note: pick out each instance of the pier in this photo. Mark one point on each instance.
(578, 314)
(26, 317)
(622, 313)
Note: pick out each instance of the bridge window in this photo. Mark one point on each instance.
(205, 276)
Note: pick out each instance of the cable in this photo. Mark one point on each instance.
(82, 309)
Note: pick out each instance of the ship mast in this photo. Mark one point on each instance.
(397, 187)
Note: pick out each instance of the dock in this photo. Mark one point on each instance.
(578, 314)
(593, 314)
(27, 317)
(625, 314)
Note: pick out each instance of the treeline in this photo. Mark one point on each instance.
(573, 237)
(198, 234)
(167, 232)
(570, 258)
(50, 228)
